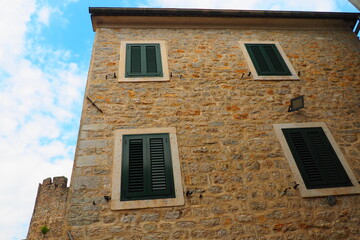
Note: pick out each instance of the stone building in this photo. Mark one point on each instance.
(188, 130)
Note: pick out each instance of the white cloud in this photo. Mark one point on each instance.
(14, 13)
(40, 97)
(44, 15)
(45, 12)
(304, 5)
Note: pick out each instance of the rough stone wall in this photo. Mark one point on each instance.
(49, 210)
(230, 156)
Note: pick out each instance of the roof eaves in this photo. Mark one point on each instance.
(218, 13)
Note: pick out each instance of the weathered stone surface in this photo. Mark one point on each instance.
(50, 209)
(86, 144)
(109, 219)
(127, 218)
(86, 182)
(181, 235)
(150, 217)
(210, 222)
(185, 224)
(116, 229)
(94, 127)
(172, 215)
(150, 227)
(350, 138)
(156, 236)
(92, 160)
(230, 158)
(244, 218)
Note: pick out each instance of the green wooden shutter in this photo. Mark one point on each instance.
(146, 167)
(161, 166)
(315, 158)
(135, 60)
(267, 60)
(262, 66)
(151, 64)
(143, 60)
(133, 179)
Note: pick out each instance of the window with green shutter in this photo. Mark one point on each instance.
(315, 158)
(267, 60)
(146, 167)
(143, 60)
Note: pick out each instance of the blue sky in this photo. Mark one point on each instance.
(45, 49)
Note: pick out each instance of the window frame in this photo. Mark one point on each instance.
(164, 63)
(305, 192)
(293, 75)
(143, 60)
(146, 186)
(116, 203)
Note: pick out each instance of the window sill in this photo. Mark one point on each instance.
(144, 79)
(329, 192)
(137, 204)
(275, 78)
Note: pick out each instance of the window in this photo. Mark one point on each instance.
(142, 61)
(267, 61)
(146, 167)
(146, 170)
(316, 160)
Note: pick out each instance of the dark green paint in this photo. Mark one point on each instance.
(143, 60)
(267, 60)
(146, 167)
(315, 158)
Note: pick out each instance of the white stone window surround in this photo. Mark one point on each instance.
(355, 189)
(293, 75)
(164, 62)
(116, 204)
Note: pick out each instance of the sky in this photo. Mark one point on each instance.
(45, 48)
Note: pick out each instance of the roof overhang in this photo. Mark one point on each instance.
(206, 18)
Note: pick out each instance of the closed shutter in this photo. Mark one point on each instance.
(151, 64)
(136, 166)
(135, 59)
(267, 60)
(146, 167)
(315, 158)
(258, 58)
(143, 60)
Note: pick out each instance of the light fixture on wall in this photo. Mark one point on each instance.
(296, 104)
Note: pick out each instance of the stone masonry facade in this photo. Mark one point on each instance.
(231, 161)
(50, 209)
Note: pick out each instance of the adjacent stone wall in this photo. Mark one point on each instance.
(231, 160)
(49, 210)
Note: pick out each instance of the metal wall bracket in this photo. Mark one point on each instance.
(93, 103)
(331, 200)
